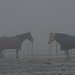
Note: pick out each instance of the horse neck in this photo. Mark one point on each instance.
(22, 37)
(60, 37)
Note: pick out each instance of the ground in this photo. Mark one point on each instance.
(37, 65)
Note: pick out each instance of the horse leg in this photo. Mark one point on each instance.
(68, 54)
(17, 54)
(1, 54)
(65, 54)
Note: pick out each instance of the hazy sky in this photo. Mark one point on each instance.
(40, 17)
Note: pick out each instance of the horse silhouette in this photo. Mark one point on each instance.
(66, 41)
(14, 42)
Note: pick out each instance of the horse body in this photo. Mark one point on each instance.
(66, 41)
(14, 42)
(9, 43)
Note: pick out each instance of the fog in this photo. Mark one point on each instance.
(40, 17)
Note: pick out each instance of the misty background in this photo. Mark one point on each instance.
(40, 17)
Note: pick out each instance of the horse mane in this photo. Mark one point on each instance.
(21, 34)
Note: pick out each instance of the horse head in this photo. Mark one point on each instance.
(51, 38)
(29, 37)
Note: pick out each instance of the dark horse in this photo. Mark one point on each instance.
(14, 42)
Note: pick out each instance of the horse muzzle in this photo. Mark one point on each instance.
(48, 42)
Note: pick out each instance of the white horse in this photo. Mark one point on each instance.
(66, 41)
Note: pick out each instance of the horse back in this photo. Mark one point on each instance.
(8, 42)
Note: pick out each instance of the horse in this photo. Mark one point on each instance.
(14, 42)
(66, 41)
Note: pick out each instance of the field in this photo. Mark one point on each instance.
(37, 65)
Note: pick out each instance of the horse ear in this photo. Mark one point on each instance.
(28, 32)
(51, 33)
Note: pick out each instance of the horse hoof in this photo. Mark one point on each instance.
(1, 57)
(17, 57)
